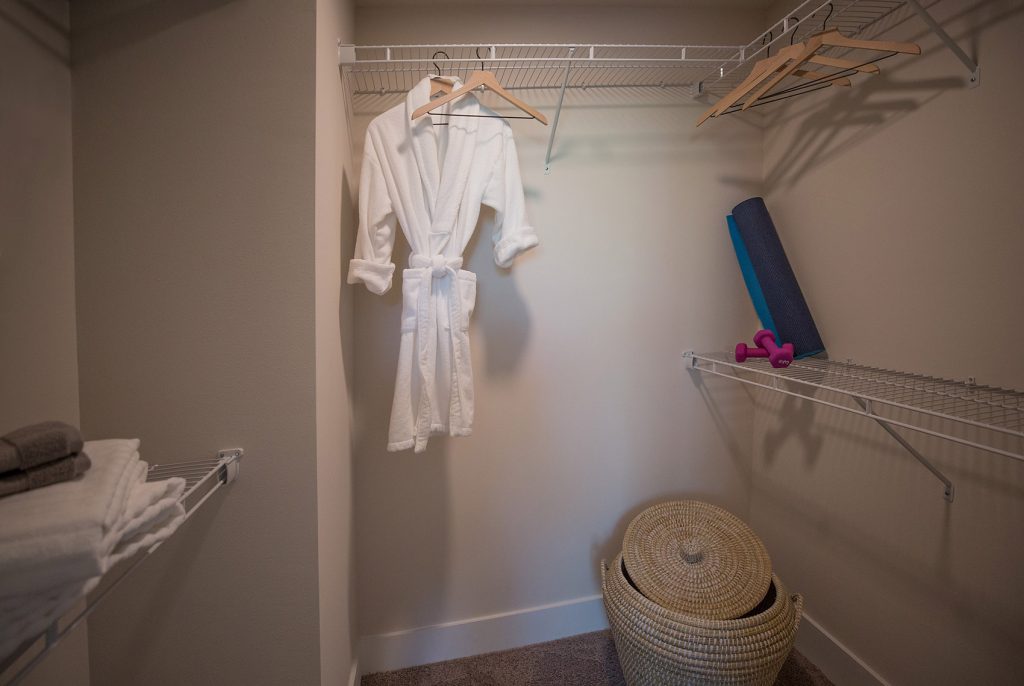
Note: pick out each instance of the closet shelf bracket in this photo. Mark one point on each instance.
(982, 417)
(202, 479)
(975, 71)
(558, 110)
(946, 483)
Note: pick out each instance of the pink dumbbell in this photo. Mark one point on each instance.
(765, 342)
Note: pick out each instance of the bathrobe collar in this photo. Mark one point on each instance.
(444, 181)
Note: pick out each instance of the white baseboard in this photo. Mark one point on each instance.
(506, 630)
(477, 635)
(354, 675)
(840, 664)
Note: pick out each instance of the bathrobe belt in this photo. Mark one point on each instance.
(436, 268)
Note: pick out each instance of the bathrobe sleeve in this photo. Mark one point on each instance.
(375, 238)
(512, 231)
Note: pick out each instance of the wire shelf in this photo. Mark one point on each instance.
(390, 69)
(202, 479)
(712, 69)
(387, 71)
(890, 397)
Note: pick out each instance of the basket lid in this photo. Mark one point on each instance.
(696, 558)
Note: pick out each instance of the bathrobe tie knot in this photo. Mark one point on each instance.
(439, 265)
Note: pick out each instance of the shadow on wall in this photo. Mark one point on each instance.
(842, 120)
(724, 428)
(801, 413)
(501, 315)
(40, 24)
(873, 503)
(802, 517)
(349, 222)
(103, 28)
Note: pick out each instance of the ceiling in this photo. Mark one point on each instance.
(747, 4)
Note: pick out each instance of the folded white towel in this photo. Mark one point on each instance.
(65, 532)
(152, 512)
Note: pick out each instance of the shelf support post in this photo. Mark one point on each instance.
(558, 111)
(948, 491)
(972, 66)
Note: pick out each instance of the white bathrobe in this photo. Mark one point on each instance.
(431, 181)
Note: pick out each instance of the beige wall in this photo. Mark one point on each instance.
(194, 219)
(38, 355)
(584, 411)
(899, 204)
(334, 229)
(38, 363)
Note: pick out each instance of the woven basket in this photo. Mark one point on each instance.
(697, 558)
(658, 646)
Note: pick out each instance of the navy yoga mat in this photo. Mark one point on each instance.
(770, 280)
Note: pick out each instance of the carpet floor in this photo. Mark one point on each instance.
(584, 660)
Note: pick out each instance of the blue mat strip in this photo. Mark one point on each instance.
(750, 278)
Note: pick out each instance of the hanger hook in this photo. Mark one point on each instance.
(480, 58)
(434, 57)
(770, 36)
(824, 24)
(795, 27)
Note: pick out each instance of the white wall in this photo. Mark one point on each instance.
(195, 174)
(334, 229)
(900, 208)
(38, 355)
(584, 411)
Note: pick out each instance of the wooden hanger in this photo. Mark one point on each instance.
(762, 70)
(476, 80)
(830, 38)
(840, 63)
(440, 85)
(769, 72)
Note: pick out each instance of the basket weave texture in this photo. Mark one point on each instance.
(658, 646)
(698, 559)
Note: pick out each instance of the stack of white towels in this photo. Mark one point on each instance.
(56, 542)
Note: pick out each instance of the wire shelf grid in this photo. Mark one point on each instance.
(893, 397)
(712, 69)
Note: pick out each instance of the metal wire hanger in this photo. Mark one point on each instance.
(440, 84)
(482, 79)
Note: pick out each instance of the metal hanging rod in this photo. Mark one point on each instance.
(202, 479)
(891, 398)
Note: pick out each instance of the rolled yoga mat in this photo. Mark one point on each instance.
(770, 280)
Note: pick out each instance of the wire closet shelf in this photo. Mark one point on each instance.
(712, 69)
(393, 69)
(202, 479)
(983, 417)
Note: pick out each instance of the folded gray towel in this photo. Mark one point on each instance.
(54, 472)
(31, 446)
